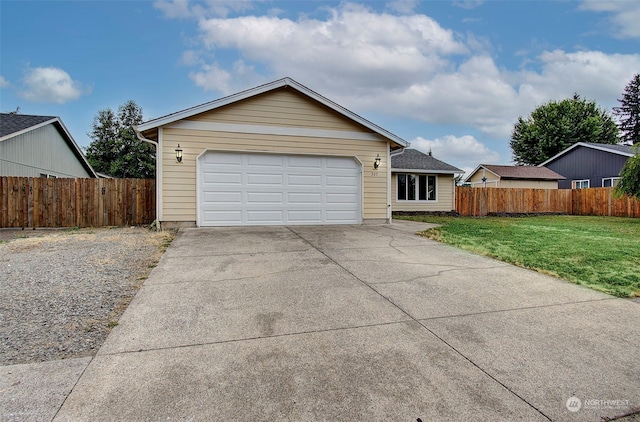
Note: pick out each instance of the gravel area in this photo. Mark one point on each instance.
(61, 291)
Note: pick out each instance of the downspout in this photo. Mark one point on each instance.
(141, 137)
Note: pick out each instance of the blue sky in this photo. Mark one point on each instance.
(452, 77)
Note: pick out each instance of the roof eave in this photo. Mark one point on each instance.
(424, 171)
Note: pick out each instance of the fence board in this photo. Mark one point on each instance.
(39, 202)
(479, 202)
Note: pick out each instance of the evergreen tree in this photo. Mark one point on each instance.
(629, 111)
(115, 149)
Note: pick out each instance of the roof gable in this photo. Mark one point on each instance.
(281, 83)
(412, 159)
(624, 150)
(13, 125)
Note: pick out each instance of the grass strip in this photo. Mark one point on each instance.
(602, 253)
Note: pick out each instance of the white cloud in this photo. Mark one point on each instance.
(3, 82)
(464, 152)
(50, 85)
(212, 77)
(624, 16)
(401, 65)
(187, 9)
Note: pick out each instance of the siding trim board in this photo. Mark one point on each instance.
(273, 130)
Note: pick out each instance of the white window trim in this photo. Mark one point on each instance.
(613, 179)
(419, 201)
(574, 183)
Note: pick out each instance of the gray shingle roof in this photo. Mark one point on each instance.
(12, 123)
(412, 159)
(612, 147)
(523, 172)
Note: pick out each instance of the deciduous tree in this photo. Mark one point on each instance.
(556, 125)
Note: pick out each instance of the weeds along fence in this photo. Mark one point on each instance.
(480, 202)
(39, 202)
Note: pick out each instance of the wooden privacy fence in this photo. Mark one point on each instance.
(479, 202)
(39, 202)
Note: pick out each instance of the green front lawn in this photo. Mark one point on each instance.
(600, 252)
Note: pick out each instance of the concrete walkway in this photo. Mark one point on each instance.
(357, 323)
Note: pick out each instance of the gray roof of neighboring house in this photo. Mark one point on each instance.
(412, 159)
(625, 150)
(12, 123)
(520, 172)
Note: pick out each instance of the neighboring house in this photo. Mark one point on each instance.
(589, 165)
(272, 155)
(419, 182)
(494, 176)
(39, 146)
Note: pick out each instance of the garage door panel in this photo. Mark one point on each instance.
(231, 160)
(341, 181)
(255, 198)
(269, 189)
(305, 198)
(220, 197)
(304, 180)
(305, 163)
(224, 217)
(264, 179)
(222, 178)
(265, 217)
(258, 160)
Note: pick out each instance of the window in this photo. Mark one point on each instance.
(580, 184)
(47, 176)
(609, 182)
(416, 187)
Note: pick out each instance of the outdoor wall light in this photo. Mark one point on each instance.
(179, 154)
(376, 162)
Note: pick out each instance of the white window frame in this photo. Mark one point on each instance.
(417, 187)
(577, 184)
(614, 181)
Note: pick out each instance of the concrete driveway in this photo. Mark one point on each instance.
(357, 323)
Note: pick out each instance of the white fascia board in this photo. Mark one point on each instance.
(273, 130)
(285, 82)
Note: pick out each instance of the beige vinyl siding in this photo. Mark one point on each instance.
(40, 151)
(283, 107)
(445, 196)
(531, 184)
(179, 179)
(476, 179)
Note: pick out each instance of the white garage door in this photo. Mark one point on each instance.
(238, 189)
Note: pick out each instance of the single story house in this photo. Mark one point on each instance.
(39, 146)
(496, 176)
(276, 154)
(589, 165)
(422, 183)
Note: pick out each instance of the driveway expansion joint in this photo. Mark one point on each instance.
(449, 345)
